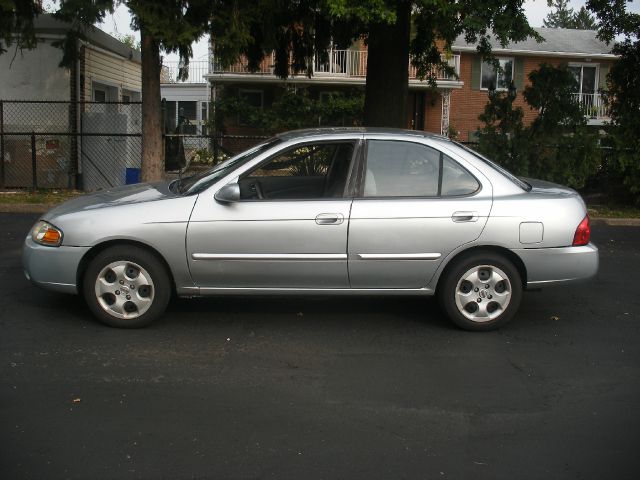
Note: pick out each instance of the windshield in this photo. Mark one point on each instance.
(199, 182)
(521, 183)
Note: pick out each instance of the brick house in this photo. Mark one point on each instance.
(587, 57)
(456, 102)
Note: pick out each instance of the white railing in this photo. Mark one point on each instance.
(242, 66)
(439, 73)
(197, 70)
(340, 63)
(592, 105)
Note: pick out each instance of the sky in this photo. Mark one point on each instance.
(118, 22)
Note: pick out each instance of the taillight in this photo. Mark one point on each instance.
(583, 233)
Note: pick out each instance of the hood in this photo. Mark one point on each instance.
(138, 193)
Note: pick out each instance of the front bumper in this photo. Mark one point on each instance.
(52, 268)
(546, 266)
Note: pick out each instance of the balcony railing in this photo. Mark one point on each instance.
(197, 70)
(340, 63)
(592, 105)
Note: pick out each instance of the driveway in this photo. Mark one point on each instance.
(323, 387)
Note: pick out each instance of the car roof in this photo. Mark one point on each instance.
(315, 132)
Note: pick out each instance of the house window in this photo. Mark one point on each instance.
(498, 80)
(252, 97)
(99, 95)
(586, 78)
(188, 117)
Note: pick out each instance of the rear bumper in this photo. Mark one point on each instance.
(52, 268)
(547, 266)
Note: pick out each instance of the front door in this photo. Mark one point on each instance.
(289, 230)
(417, 205)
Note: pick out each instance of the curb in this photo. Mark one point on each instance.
(26, 207)
(617, 222)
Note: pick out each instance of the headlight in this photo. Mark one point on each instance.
(46, 234)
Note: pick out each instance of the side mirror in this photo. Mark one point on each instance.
(228, 194)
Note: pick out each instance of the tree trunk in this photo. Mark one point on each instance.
(387, 88)
(152, 148)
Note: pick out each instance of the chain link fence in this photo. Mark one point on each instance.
(57, 144)
(93, 145)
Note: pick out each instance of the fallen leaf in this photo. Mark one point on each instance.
(77, 400)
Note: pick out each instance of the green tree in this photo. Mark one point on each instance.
(565, 17)
(290, 110)
(128, 39)
(393, 29)
(562, 17)
(557, 146)
(564, 150)
(583, 20)
(502, 138)
(16, 24)
(624, 91)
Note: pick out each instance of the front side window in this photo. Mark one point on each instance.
(303, 172)
(406, 169)
(493, 79)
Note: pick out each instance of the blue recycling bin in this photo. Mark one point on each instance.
(132, 175)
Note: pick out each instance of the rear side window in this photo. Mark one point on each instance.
(406, 169)
(456, 180)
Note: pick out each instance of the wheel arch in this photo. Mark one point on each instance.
(100, 247)
(505, 252)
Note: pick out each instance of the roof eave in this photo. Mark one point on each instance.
(538, 53)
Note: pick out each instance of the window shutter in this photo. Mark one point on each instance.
(518, 74)
(602, 82)
(476, 61)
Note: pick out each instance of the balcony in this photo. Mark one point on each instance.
(593, 107)
(197, 71)
(342, 66)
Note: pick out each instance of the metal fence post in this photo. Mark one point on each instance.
(34, 165)
(1, 144)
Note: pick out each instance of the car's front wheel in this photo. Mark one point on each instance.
(126, 286)
(481, 291)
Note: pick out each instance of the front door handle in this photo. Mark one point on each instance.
(460, 217)
(329, 219)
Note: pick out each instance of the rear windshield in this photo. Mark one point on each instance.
(521, 183)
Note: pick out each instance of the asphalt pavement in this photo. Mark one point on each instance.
(333, 388)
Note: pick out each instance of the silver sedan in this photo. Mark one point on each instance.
(327, 211)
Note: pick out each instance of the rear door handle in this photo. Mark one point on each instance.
(460, 217)
(329, 219)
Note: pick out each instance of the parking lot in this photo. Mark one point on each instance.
(323, 387)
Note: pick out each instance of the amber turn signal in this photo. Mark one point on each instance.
(46, 234)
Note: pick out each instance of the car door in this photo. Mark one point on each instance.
(288, 229)
(416, 204)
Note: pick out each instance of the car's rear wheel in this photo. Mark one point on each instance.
(126, 286)
(481, 291)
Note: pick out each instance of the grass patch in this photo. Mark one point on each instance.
(604, 211)
(39, 196)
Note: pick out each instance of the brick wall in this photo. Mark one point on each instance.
(467, 103)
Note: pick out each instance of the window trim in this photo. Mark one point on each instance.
(362, 174)
(348, 193)
(513, 68)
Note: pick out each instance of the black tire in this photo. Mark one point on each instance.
(152, 282)
(453, 291)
